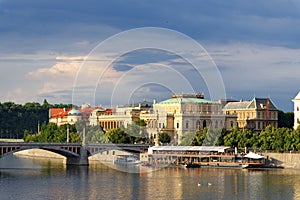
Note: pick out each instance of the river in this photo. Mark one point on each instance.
(27, 178)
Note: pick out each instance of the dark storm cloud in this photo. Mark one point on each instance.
(275, 22)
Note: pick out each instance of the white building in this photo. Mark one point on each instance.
(296, 101)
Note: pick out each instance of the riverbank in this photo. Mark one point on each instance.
(285, 160)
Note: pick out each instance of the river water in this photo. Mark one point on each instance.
(27, 178)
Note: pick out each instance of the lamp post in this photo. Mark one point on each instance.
(83, 136)
(68, 133)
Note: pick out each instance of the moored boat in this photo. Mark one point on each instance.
(126, 160)
(205, 156)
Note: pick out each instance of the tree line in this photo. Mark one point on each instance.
(16, 118)
(78, 132)
(278, 139)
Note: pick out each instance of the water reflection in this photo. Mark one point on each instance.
(24, 178)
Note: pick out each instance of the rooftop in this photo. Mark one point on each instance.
(188, 99)
(256, 103)
(189, 148)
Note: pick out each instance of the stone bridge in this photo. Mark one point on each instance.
(76, 153)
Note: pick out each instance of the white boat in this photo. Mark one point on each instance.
(126, 160)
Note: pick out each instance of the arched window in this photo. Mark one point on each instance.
(297, 108)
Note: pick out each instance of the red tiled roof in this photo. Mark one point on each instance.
(59, 112)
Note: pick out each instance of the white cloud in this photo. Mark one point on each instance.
(57, 71)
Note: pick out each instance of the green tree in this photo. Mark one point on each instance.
(285, 119)
(137, 133)
(187, 138)
(96, 134)
(220, 140)
(164, 138)
(231, 139)
(118, 136)
(211, 136)
(200, 136)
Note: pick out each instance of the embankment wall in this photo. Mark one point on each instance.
(286, 160)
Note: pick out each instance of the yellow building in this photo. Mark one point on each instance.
(254, 115)
(175, 116)
(190, 112)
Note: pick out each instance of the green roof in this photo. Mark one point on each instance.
(187, 101)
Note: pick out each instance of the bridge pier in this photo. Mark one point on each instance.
(81, 160)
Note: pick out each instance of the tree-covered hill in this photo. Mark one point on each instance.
(16, 118)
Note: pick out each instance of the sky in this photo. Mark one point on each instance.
(104, 53)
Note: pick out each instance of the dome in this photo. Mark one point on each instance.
(74, 112)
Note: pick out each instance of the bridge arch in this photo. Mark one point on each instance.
(61, 152)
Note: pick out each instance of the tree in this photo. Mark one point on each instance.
(164, 138)
(211, 136)
(231, 139)
(140, 123)
(118, 136)
(96, 134)
(200, 136)
(285, 119)
(52, 133)
(187, 138)
(137, 133)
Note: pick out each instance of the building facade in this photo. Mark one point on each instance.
(255, 114)
(189, 113)
(122, 116)
(175, 116)
(62, 116)
(296, 101)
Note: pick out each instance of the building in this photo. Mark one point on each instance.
(175, 116)
(255, 114)
(59, 116)
(296, 101)
(190, 112)
(120, 117)
(62, 116)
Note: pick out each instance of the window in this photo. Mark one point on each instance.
(177, 125)
(204, 124)
(187, 125)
